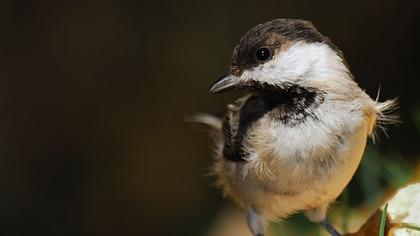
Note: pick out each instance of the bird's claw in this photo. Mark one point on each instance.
(329, 228)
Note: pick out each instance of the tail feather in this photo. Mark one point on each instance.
(205, 121)
(213, 125)
(386, 115)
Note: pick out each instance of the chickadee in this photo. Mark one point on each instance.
(296, 138)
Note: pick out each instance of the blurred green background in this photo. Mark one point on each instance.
(93, 95)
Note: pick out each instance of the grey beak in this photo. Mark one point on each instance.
(225, 83)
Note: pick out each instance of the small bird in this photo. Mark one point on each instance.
(295, 138)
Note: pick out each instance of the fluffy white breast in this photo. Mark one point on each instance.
(317, 137)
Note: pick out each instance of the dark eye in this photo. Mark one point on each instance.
(263, 54)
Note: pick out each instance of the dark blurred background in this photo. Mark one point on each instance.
(93, 95)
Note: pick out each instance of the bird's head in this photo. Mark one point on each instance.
(283, 54)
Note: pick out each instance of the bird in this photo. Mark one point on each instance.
(294, 138)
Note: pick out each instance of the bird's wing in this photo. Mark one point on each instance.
(230, 128)
(223, 131)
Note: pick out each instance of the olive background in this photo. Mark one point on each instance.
(93, 96)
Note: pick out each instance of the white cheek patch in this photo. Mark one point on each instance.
(302, 61)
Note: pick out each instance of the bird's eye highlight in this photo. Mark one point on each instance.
(263, 54)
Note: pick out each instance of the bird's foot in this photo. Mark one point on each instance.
(255, 222)
(327, 226)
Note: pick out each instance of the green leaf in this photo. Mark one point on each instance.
(383, 221)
